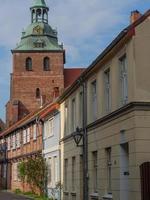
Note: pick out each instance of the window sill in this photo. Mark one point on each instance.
(66, 192)
(73, 193)
(48, 137)
(94, 195)
(26, 143)
(107, 197)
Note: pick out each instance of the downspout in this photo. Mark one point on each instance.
(85, 143)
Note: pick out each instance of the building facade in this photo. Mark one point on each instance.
(110, 104)
(24, 140)
(51, 149)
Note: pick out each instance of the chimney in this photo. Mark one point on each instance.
(135, 15)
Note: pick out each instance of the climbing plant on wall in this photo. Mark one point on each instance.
(34, 171)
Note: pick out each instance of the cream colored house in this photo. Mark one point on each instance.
(117, 107)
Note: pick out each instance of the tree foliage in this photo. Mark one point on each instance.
(34, 171)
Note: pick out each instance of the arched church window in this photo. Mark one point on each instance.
(45, 16)
(39, 12)
(46, 64)
(29, 64)
(39, 15)
(33, 16)
(38, 93)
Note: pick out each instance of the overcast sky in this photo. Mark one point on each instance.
(85, 27)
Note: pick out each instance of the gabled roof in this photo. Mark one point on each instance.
(123, 37)
(71, 74)
(37, 115)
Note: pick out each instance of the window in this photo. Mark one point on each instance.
(24, 136)
(28, 135)
(81, 174)
(49, 171)
(49, 127)
(109, 168)
(95, 170)
(29, 64)
(13, 141)
(56, 169)
(94, 99)
(46, 64)
(73, 115)
(107, 90)
(8, 143)
(66, 120)
(124, 80)
(38, 93)
(18, 140)
(66, 174)
(34, 132)
(81, 108)
(73, 173)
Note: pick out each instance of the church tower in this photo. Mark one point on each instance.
(38, 66)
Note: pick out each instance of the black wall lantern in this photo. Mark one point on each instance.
(77, 136)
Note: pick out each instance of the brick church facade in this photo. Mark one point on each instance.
(38, 67)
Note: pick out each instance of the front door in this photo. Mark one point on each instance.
(124, 171)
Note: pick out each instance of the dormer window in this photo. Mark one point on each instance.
(39, 44)
(29, 64)
(46, 64)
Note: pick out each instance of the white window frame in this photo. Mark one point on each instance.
(66, 174)
(49, 175)
(109, 169)
(123, 79)
(28, 134)
(34, 131)
(17, 139)
(95, 170)
(14, 141)
(81, 108)
(9, 143)
(56, 176)
(94, 98)
(73, 173)
(73, 114)
(65, 119)
(107, 90)
(49, 128)
(24, 136)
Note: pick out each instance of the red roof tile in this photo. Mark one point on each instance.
(71, 74)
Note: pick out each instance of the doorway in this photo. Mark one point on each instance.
(124, 171)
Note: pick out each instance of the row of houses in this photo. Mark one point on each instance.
(95, 136)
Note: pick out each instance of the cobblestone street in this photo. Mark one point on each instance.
(9, 196)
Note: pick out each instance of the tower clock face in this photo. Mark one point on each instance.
(38, 30)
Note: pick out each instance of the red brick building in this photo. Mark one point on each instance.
(38, 66)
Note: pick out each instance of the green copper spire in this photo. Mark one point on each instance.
(39, 3)
(39, 35)
(39, 11)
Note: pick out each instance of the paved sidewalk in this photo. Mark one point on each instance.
(9, 196)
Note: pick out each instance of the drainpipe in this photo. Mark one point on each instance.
(85, 143)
